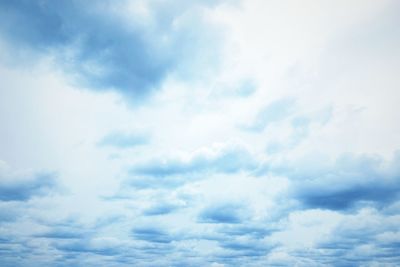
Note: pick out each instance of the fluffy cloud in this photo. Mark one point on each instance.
(152, 234)
(17, 189)
(227, 133)
(361, 238)
(222, 213)
(349, 183)
(160, 209)
(100, 49)
(225, 159)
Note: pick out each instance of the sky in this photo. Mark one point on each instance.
(199, 133)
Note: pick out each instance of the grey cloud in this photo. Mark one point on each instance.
(160, 209)
(230, 213)
(351, 182)
(23, 190)
(152, 234)
(102, 51)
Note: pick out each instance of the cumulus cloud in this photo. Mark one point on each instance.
(62, 233)
(273, 151)
(98, 48)
(152, 234)
(17, 189)
(350, 183)
(257, 231)
(367, 237)
(160, 209)
(88, 246)
(226, 159)
(222, 213)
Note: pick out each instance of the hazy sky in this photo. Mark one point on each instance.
(199, 133)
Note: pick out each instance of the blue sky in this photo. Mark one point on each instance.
(199, 133)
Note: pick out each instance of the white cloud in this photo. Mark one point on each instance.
(201, 187)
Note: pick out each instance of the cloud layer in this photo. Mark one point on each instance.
(199, 133)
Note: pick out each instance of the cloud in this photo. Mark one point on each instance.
(160, 209)
(123, 140)
(274, 112)
(230, 213)
(88, 246)
(9, 212)
(246, 88)
(350, 196)
(366, 237)
(255, 231)
(22, 190)
(180, 199)
(241, 243)
(152, 234)
(61, 233)
(148, 182)
(241, 251)
(352, 182)
(301, 127)
(98, 48)
(246, 248)
(228, 159)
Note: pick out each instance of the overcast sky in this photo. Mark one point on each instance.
(199, 133)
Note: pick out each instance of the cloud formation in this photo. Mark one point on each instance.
(98, 48)
(14, 189)
(152, 234)
(160, 209)
(222, 213)
(366, 238)
(228, 159)
(230, 133)
(350, 182)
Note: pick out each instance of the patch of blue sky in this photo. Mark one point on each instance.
(274, 112)
(123, 140)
